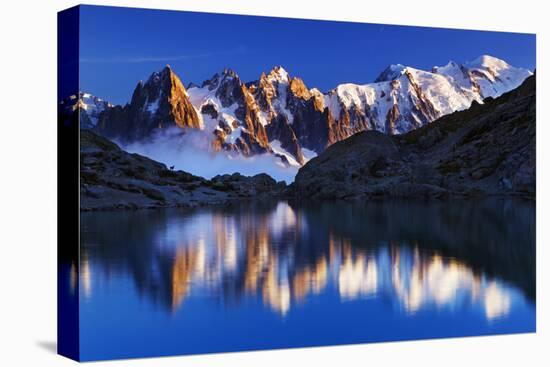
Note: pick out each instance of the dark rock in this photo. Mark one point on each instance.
(210, 110)
(279, 129)
(488, 149)
(111, 178)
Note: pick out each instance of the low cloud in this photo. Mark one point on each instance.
(190, 151)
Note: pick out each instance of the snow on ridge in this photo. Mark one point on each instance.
(153, 106)
(393, 71)
(488, 61)
(278, 74)
(308, 154)
(89, 104)
(448, 88)
(278, 149)
(280, 102)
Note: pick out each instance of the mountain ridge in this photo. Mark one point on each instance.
(488, 149)
(278, 114)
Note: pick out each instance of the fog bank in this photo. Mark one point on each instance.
(191, 152)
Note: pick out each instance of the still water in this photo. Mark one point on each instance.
(276, 275)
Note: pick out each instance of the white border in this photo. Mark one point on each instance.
(28, 182)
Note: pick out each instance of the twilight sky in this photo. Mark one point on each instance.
(120, 46)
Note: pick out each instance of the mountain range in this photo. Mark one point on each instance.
(88, 107)
(487, 149)
(278, 114)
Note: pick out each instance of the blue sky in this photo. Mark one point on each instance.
(120, 46)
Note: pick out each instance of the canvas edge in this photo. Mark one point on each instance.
(68, 212)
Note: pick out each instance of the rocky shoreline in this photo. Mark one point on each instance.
(112, 179)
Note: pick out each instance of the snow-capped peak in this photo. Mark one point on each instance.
(396, 67)
(88, 104)
(217, 79)
(279, 74)
(451, 66)
(488, 61)
(278, 113)
(393, 71)
(316, 92)
(423, 96)
(491, 76)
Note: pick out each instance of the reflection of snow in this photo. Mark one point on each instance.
(86, 277)
(276, 292)
(282, 218)
(261, 256)
(496, 300)
(419, 282)
(416, 281)
(357, 278)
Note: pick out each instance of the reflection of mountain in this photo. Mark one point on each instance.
(416, 255)
(493, 236)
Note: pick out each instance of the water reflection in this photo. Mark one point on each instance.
(413, 256)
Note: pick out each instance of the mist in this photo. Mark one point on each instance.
(191, 152)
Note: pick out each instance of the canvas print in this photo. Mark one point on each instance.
(232, 183)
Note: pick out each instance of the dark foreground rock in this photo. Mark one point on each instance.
(111, 178)
(488, 149)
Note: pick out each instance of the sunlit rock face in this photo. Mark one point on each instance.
(161, 102)
(272, 256)
(280, 115)
(231, 114)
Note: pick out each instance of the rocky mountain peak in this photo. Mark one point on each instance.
(192, 85)
(160, 102)
(156, 77)
(180, 108)
(229, 73)
(299, 89)
(159, 81)
(318, 98)
(211, 83)
(451, 65)
(488, 61)
(278, 74)
(87, 106)
(390, 73)
(279, 114)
